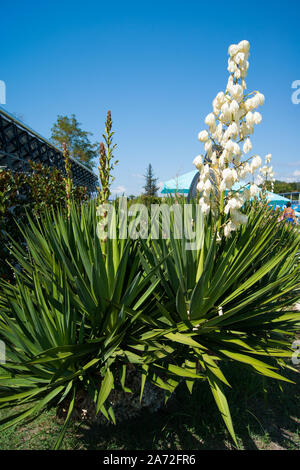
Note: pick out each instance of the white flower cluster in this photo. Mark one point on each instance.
(227, 142)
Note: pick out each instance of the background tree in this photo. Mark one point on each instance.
(67, 130)
(150, 187)
(285, 187)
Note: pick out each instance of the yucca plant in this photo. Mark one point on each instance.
(228, 300)
(65, 319)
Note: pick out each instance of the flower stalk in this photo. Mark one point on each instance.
(68, 179)
(106, 165)
(227, 143)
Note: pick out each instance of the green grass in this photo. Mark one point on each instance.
(188, 422)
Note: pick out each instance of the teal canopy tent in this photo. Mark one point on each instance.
(276, 199)
(180, 184)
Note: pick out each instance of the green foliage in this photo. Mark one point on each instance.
(147, 200)
(67, 130)
(284, 187)
(83, 311)
(32, 192)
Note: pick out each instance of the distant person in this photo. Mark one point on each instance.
(289, 214)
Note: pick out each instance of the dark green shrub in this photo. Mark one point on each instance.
(31, 193)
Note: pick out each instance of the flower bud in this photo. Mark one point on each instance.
(203, 136)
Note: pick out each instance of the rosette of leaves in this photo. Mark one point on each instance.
(69, 320)
(227, 300)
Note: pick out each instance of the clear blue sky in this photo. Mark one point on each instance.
(157, 65)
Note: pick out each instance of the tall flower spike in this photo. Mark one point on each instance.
(105, 161)
(69, 180)
(230, 124)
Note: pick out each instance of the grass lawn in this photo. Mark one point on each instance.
(188, 422)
